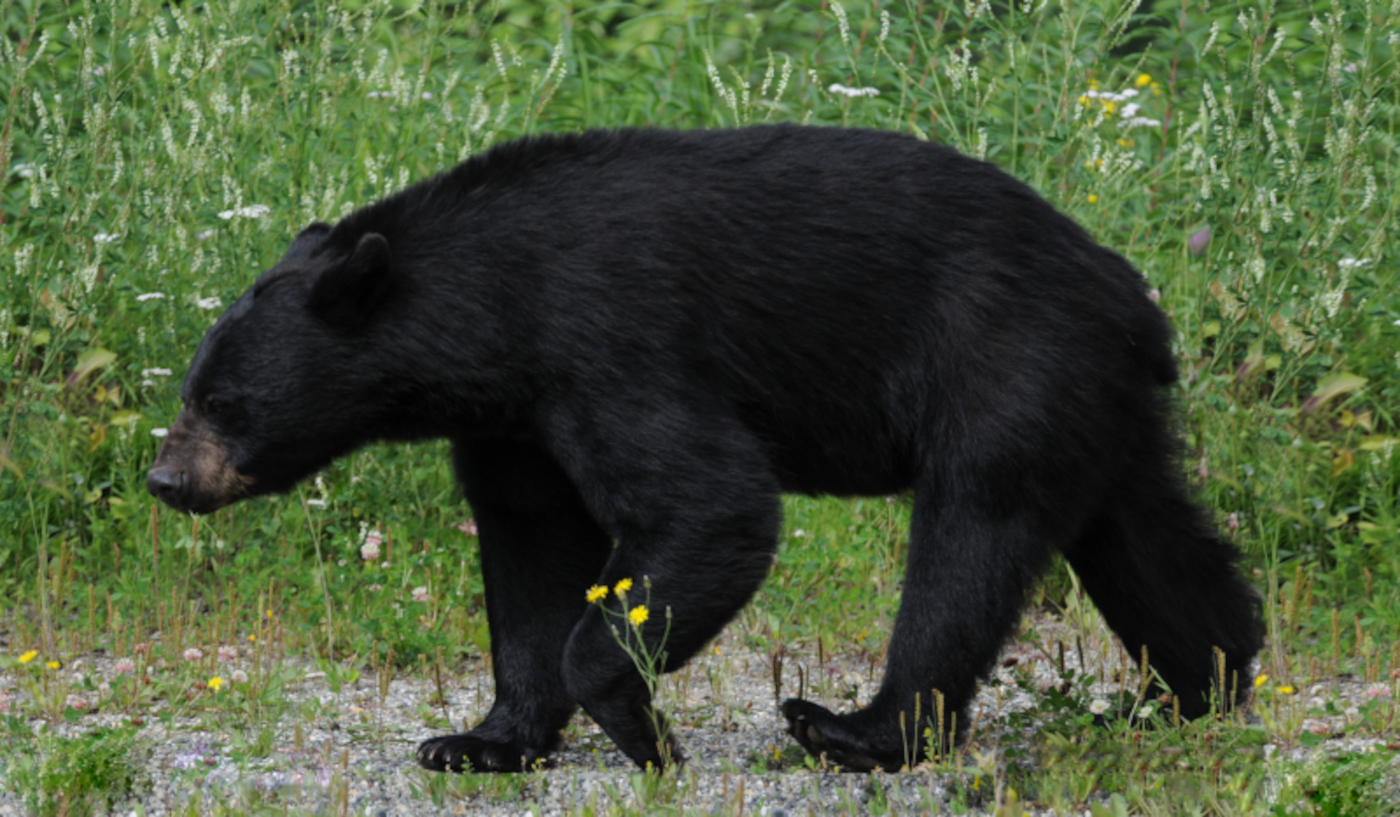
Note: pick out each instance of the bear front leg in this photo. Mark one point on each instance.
(697, 513)
(540, 551)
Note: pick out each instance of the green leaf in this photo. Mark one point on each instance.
(1331, 386)
(124, 417)
(89, 362)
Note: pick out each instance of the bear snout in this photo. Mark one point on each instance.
(193, 473)
(168, 485)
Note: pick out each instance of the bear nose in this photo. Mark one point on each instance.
(166, 484)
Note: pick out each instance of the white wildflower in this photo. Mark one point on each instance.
(251, 211)
(212, 302)
(150, 296)
(843, 25)
(838, 88)
(106, 238)
(155, 372)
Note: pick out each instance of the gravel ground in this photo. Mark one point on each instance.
(346, 753)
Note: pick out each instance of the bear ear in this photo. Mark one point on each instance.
(307, 241)
(348, 292)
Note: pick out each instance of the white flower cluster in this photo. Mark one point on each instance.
(251, 211)
(148, 374)
(838, 88)
(1128, 116)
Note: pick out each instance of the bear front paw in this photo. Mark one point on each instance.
(469, 753)
(828, 736)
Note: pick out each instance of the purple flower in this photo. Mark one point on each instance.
(1197, 243)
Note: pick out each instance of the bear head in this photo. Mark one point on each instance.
(273, 393)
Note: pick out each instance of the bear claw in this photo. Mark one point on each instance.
(468, 753)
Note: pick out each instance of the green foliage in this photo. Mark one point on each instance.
(1364, 785)
(88, 774)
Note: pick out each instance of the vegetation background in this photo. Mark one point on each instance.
(155, 157)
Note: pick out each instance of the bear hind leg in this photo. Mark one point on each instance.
(968, 568)
(1164, 579)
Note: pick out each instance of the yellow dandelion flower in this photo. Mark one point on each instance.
(1110, 106)
(595, 594)
(638, 615)
(623, 586)
(54, 665)
(1287, 689)
(1142, 79)
(29, 656)
(1260, 681)
(1093, 199)
(215, 683)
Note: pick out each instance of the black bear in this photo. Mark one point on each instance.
(636, 340)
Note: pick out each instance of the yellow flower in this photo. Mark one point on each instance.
(623, 586)
(1093, 199)
(29, 656)
(1142, 80)
(1110, 106)
(1287, 689)
(596, 593)
(215, 683)
(54, 665)
(637, 615)
(1261, 680)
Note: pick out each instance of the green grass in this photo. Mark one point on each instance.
(129, 128)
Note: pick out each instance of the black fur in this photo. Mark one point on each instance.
(646, 336)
